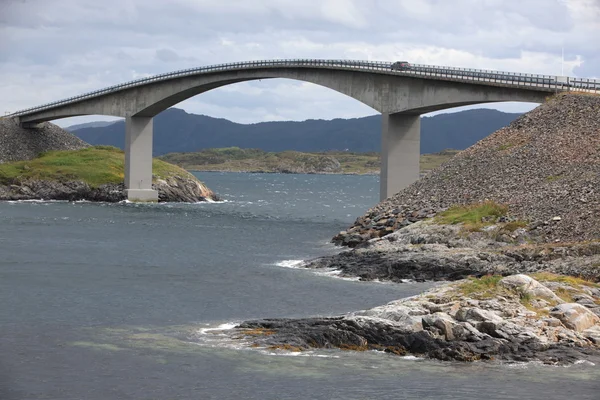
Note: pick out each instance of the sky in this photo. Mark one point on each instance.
(50, 50)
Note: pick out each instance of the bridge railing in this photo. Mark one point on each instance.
(533, 81)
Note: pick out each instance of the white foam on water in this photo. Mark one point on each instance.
(586, 362)
(412, 358)
(290, 263)
(36, 201)
(335, 273)
(222, 327)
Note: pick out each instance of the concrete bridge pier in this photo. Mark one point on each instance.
(138, 159)
(400, 152)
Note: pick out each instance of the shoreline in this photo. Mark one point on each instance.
(173, 189)
(289, 173)
(496, 300)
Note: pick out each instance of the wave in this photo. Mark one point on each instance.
(223, 327)
(291, 263)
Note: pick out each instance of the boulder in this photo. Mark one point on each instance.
(443, 322)
(477, 315)
(575, 316)
(527, 285)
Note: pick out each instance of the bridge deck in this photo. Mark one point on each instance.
(547, 83)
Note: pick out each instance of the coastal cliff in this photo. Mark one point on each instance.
(49, 163)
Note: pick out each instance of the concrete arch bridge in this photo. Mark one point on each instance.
(400, 95)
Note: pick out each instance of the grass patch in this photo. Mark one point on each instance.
(473, 216)
(506, 146)
(553, 178)
(484, 287)
(565, 294)
(94, 165)
(572, 281)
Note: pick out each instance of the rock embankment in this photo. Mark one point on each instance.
(173, 189)
(17, 143)
(515, 318)
(545, 166)
(427, 250)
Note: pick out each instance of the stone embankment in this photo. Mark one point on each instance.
(18, 143)
(545, 166)
(515, 318)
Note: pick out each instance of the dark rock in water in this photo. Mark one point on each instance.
(445, 324)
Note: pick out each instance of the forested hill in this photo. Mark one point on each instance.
(177, 131)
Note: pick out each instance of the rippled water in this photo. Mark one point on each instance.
(105, 301)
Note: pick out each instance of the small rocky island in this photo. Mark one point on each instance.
(49, 163)
(511, 225)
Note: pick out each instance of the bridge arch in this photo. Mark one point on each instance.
(401, 96)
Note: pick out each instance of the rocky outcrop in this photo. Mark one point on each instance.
(309, 164)
(426, 250)
(17, 143)
(545, 166)
(513, 319)
(173, 189)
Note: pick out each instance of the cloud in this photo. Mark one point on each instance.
(53, 50)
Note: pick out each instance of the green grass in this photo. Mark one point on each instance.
(94, 165)
(484, 287)
(553, 178)
(473, 216)
(503, 147)
(568, 280)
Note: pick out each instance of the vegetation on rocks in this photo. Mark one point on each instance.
(91, 173)
(234, 159)
(545, 167)
(93, 165)
(473, 216)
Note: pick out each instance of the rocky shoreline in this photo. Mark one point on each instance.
(511, 319)
(426, 250)
(172, 189)
(512, 298)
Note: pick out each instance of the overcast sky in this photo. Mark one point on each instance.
(51, 50)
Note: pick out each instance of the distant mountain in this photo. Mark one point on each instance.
(93, 124)
(177, 131)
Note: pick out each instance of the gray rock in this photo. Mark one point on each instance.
(575, 316)
(528, 285)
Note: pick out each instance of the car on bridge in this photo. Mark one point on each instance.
(400, 65)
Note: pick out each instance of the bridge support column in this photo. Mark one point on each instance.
(138, 159)
(400, 152)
